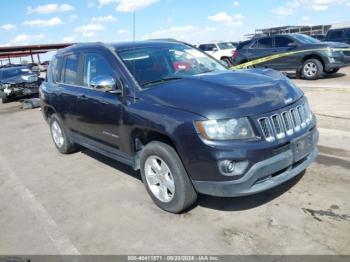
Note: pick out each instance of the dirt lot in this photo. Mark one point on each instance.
(87, 204)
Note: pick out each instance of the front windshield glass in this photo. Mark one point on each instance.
(226, 46)
(167, 62)
(305, 39)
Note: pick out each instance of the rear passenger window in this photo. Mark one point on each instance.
(263, 43)
(282, 41)
(96, 65)
(55, 69)
(70, 75)
(335, 34)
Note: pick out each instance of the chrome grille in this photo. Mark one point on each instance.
(286, 123)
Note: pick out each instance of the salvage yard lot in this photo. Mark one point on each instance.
(85, 203)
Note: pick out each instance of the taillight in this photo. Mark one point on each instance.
(234, 53)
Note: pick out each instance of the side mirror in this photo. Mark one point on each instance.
(215, 49)
(106, 83)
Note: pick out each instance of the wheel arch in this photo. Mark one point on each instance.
(140, 137)
(312, 56)
(48, 111)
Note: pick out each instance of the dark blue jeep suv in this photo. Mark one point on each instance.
(187, 122)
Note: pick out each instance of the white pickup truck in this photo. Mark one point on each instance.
(221, 50)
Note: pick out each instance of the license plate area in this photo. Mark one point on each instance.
(302, 146)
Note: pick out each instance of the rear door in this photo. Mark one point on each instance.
(99, 112)
(262, 47)
(67, 72)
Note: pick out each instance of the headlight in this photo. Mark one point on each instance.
(227, 129)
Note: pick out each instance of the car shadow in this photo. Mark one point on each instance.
(247, 202)
(324, 76)
(206, 201)
(112, 163)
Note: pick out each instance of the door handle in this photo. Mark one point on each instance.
(82, 97)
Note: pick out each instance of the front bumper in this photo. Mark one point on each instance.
(261, 176)
(20, 90)
(337, 61)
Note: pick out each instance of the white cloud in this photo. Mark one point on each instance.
(236, 3)
(73, 17)
(220, 17)
(170, 20)
(68, 39)
(8, 27)
(287, 9)
(210, 29)
(50, 8)
(89, 30)
(187, 33)
(123, 31)
(317, 5)
(128, 5)
(23, 38)
(50, 22)
(223, 17)
(103, 19)
(305, 18)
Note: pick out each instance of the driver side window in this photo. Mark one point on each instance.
(95, 65)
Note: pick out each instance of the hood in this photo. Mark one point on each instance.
(24, 78)
(226, 94)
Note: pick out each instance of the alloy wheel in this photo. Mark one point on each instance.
(159, 178)
(310, 69)
(57, 134)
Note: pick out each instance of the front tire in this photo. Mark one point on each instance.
(312, 69)
(4, 98)
(165, 178)
(60, 136)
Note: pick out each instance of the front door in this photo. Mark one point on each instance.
(99, 112)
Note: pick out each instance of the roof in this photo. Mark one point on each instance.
(141, 44)
(121, 45)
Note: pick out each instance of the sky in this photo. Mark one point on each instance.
(51, 21)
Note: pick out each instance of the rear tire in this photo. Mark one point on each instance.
(332, 71)
(60, 136)
(165, 178)
(312, 69)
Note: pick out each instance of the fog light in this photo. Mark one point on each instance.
(232, 168)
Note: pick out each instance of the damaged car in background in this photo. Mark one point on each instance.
(17, 82)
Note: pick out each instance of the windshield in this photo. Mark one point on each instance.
(8, 73)
(225, 46)
(167, 62)
(305, 39)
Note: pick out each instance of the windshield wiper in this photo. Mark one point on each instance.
(158, 81)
